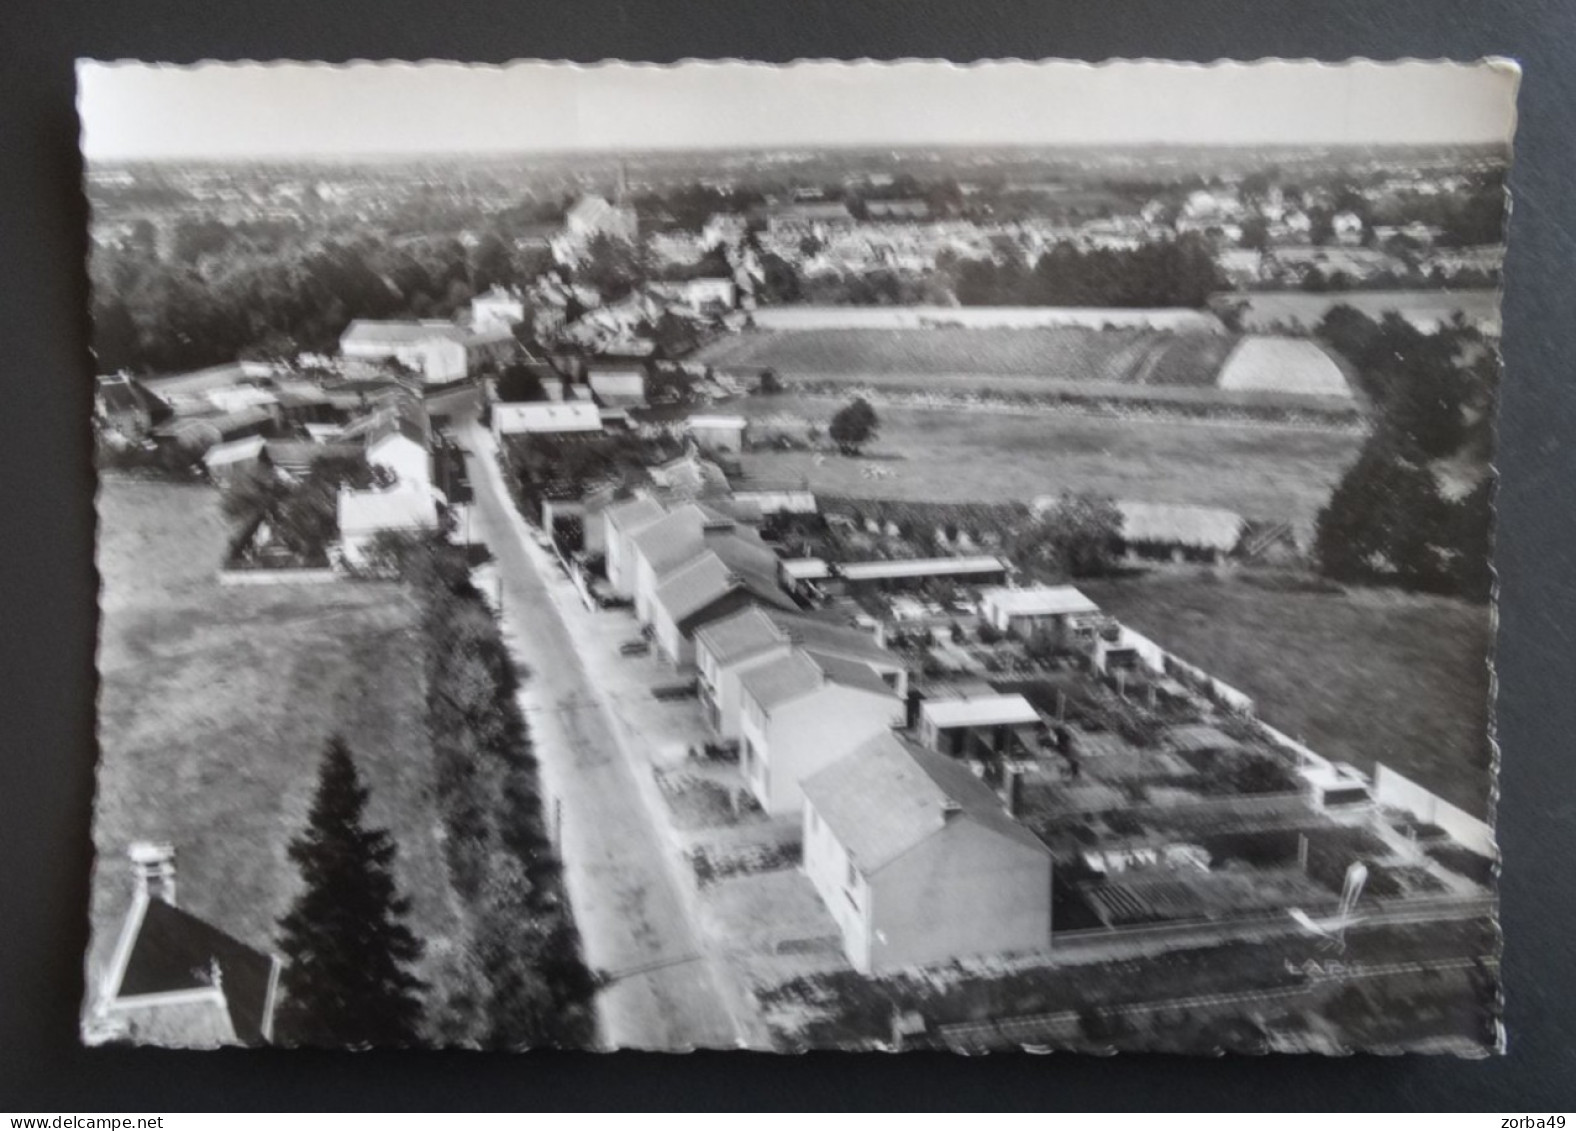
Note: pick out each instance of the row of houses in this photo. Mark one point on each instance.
(916, 858)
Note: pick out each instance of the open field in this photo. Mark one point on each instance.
(997, 456)
(954, 356)
(214, 708)
(1362, 676)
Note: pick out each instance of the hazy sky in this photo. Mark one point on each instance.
(240, 110)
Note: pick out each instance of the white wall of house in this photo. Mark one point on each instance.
(961, 892)
(403, 457)
(616, 548)
(722, 686)
(780, 750)
(842, 889)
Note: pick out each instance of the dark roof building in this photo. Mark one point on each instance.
(175, 979)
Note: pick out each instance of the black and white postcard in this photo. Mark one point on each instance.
(832, 556)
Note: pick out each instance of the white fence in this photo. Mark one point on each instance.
(1401, 792)
(1156, 658)
(277, 576)
(1175, 319)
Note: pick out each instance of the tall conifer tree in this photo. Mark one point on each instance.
(347, 981)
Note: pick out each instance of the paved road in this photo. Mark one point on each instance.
(665, 993)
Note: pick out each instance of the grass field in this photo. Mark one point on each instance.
(956, 456)
(1363, 676)
(950, 356)
(214, 707)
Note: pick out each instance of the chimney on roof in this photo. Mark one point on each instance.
(153, 866)
(950, 810)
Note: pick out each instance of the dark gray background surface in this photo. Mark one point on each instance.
(47, 579)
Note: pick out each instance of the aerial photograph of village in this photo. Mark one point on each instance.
(769, 564)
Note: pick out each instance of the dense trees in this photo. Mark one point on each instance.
(1416, 508)
(234, 299)
(521, 981)
(1080, 536)
(1179, 272)
(301, 515)
(347, 981)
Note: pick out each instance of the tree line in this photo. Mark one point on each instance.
(1172, 272)
(153, 315)
(1416, 509)
(349, 978)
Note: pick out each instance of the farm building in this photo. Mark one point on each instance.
(1179, 531)
(914, 572)
(1283, 365)
(177, 980)
(227, 463)
(803, 576)
(497, 308)
(545, 418)
(726, 648)
(690, 476)
(717, 433)
(1059, 609)
(779, 500)
(802, 712)
(438, 350)
(192, 392)
(988, 724)
(618, 385)
(705, 294)
(918, 861)
(808, 216)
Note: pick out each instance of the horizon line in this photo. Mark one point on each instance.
(864, 146)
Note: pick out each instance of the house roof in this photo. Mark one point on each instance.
(694, 585)
(548, 416)
(398, 508)
(168, 950)
(1181, 524)
(803, 672)
(207, 380)
(690, 474)
(402, 416)
(783, 680)
(919, 567)
(1040, 601)
(889, 796)
(805, 569)
(738, 637)
(847, 673)
(754, 631)
(982, 711)
(632, 514)
(398, 332)
(672, 539)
